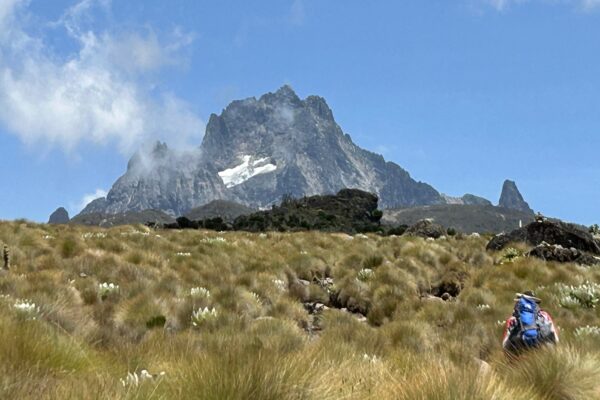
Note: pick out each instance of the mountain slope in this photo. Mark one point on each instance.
(125, 218)
(465, 218)
(227, 210)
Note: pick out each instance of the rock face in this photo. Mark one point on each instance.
(555, 252)
(254, 153)
(467, 199)
(60, 216)
(512, 199)
(426, 229)
(552, 233)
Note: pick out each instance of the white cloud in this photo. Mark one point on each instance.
(585, 5)
(500, 5)
(297, 13)
(295, 16)
(87, 199)
(590, 5)
(97, 94)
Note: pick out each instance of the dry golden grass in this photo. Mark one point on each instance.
(80, 340)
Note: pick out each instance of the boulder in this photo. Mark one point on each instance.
(551, 232)
(59, 216)
(426, 228)
(555, 252)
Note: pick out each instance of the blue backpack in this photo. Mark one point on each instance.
(526, 313)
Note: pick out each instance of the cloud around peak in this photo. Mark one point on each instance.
(100, 92)
(86, 199)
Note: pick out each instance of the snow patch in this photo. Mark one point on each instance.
(239, 174)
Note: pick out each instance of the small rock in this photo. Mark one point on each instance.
(484, 367)
(361, 318)
(429, 297)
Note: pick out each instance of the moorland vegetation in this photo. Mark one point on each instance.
(136, 313)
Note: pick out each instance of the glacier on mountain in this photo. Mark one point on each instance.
(247, 169)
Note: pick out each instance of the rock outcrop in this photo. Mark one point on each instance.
(551, 232)
(60, 216)
(555, 252)
(512, 199)
(426, 228)
(467, 199)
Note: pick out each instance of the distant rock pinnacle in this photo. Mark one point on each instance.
(60, 216)
(512, 199)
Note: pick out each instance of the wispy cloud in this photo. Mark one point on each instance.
(590, 4)
(87, 199)
(503, 5)
(99, 93)
(297, 13)
(294, 16)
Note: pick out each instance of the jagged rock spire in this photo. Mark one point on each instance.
(512, 199)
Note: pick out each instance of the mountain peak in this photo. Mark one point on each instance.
(512, 199)
(286, 90)
(148, 154)
(284, 94)
(59, 216)
(255, 152)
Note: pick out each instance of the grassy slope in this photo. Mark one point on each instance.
(80, 345)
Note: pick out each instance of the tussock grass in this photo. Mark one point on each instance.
(261, 343)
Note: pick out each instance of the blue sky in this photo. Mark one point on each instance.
(461, 93)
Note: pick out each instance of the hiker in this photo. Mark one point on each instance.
(529, 326)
